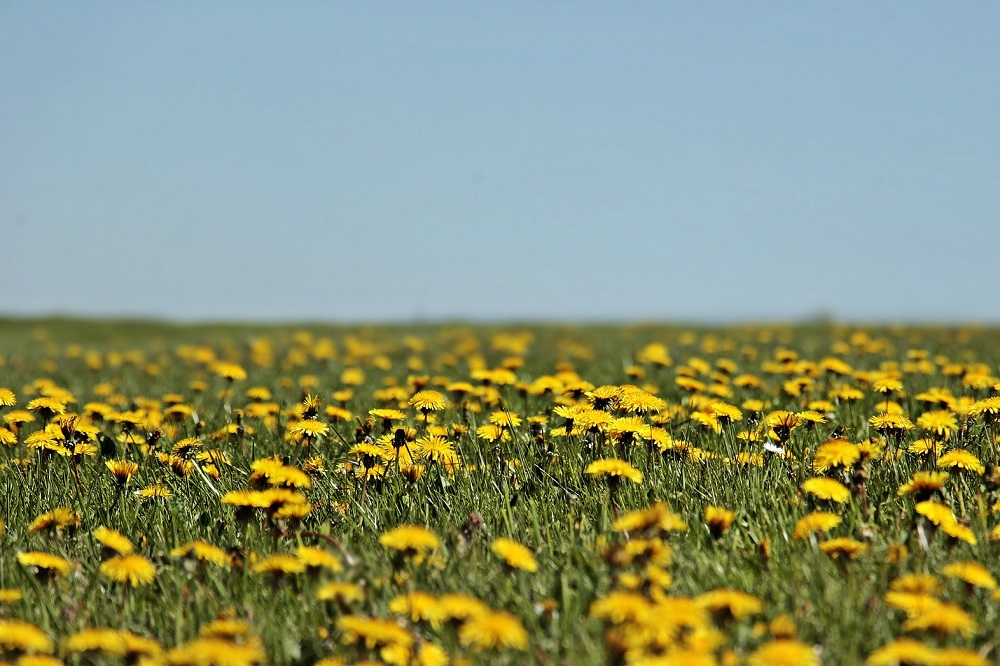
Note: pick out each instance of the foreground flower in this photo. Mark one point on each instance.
(514, 554)
(826, 489)
(131, 569)
(971, 573)
(45, 564)
(496, 630)
(718, 519)
(20, 637)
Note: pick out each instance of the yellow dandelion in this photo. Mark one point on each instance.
(514, 554)
(815, 523)
(131, 569)
(495, 630)
(615, 469)
(826, 489)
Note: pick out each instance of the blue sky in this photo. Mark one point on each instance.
(535, 160)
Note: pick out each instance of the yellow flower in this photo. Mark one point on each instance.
(621, 607)
(730, 603)
(835, 453)
(45, 563)
(229, 371)
(783, 652)
(657, 518)
(961, 459)
(98, 641)
(18, 636)
(318, 558)
(279, 564)
(131, 569)
(113, 540)
(718, 519)
(972, 573)
(614, 468)
(461, 606)
(201, 551)
(418, 606)
(58, 519)
(497, 630)
(372, 631)
(212, 651)
(428, 401)
(923, 484)
(342, 593)
(815, 523)
(514, 554)
(843, 546)
(826, 489)
(903, 651)
(410, 540)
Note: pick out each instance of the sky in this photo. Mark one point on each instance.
(553, 160)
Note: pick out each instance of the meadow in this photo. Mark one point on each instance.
(630, 495)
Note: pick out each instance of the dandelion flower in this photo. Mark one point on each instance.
(45, 564)
(815, 523)
(972, 573)
(514, 554)
(131, 569)
(614, 468)
(410, 540)
(783, 652)
(428, 401)
(20, 637)
(843, 547)
(718, 519)
(961, 459)
(201, 551)
(113, 541)
(826, 489)
(497, 630)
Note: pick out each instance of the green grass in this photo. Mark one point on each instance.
(533, 491)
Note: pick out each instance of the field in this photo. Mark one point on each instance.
(455, 494)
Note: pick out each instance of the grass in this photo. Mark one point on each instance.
(531, 487)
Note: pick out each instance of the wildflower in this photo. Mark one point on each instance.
(57, 520)
(621, 607)
(122, 470)
(937, 513)
(97, 641)
(972, 573)
(372, 631)
(23, 637)
(514, 554)
(131, 569)
(112, 542)
(10, 595)
(418, 607)
(201, 551)
(943, 618)
(309, 429)
(835, 453)
(496, 630)
(46, 565)
(340, 592)
(939, 423)
(843, 546)
(718, 519)
(212, 651)
(903, 651)
(437, 449)
(428, 401)
(231, 372)
(826, 489)
(783, 652)
(923, 484)
(657, 518)
(316, 559)
(961, 459)
(408, 540)
(725, 603)
(614, 468)
(815, 523)
(279, 564)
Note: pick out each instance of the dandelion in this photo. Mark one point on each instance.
(961, 459)
(21, 637)
(815, 523)
(615, 469)
(726, 604)
(112, 542)
(783, 652)
(410, 540)
(843, 547)
(972, 573)
(514, 554)
(718, 519)
(45, 565)
(826, 489)
(201, 551)
(132, 569)
(495, 630)
(122, 470)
